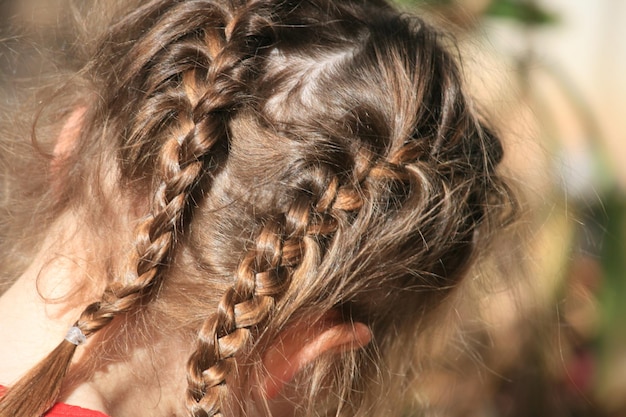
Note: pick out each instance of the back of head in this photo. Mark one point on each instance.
(281, 163)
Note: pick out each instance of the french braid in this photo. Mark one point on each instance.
(289, 246)
(186, 155)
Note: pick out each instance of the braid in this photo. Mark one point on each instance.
(289, 247)
(188, 154)
(183, 156)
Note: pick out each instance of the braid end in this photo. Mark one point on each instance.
(37, 391)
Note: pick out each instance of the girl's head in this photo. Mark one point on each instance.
(285, 191)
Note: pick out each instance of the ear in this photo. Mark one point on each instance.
(69, 134)
(65, 143)
(301, 344)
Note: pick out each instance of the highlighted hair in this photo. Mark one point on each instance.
(305, 157)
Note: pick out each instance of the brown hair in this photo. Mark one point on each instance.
(294, 157)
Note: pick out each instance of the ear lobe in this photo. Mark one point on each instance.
(302, 344)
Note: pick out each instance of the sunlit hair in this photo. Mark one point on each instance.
(276, 161)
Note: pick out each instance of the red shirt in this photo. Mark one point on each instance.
(65, 410)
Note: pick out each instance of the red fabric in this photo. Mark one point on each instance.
(65, 410)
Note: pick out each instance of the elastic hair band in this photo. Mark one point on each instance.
(75, 336)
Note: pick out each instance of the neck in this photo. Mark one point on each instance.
(47, 299)
(38, 309)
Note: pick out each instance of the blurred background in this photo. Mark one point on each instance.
(546, 334)
(549, 336)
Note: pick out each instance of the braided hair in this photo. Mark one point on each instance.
(278, 160)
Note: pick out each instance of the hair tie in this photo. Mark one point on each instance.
(75, 336)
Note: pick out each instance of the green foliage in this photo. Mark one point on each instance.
(523, 11)
(612, 339)
(427, 2)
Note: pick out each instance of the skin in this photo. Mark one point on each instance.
(31, 331)
(48, 297)
(51, 294)
(65, 277)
